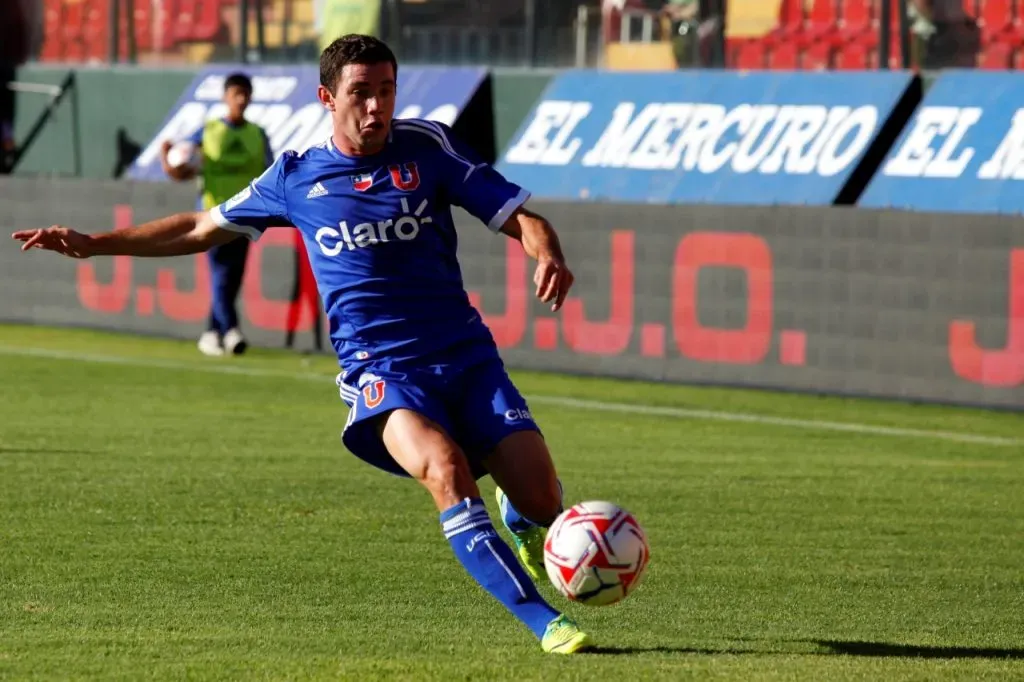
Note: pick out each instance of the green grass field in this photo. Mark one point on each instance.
(168, 516)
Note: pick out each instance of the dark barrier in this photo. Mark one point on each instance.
(836, 300)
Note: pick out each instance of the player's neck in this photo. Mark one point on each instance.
(345, 146)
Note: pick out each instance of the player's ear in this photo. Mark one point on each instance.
(325, 97)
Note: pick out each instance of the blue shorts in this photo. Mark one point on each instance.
(477, 405)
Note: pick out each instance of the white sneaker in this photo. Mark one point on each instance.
(234, 342)
(209, 344)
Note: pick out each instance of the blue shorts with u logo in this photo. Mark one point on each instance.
(476, 404)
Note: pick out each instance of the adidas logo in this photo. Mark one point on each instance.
(318, 191)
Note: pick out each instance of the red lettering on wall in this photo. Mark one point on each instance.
(108, 298)
(748, 252)
(611, 336)
(996, 368)
(509, 327)
(185, 306)
(262, 312)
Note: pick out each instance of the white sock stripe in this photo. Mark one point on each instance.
(471, 520)
(468, 510)
(449, 533)
(512, 575)
(463, 519)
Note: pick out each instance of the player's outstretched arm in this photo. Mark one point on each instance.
(540, 241)
(177, 235)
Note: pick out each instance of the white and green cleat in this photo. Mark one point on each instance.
(529, 543)
(563, 636)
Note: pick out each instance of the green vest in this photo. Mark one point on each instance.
(232, 158)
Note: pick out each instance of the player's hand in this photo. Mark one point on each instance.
(553, 279)
(165, 147)
(63, 240)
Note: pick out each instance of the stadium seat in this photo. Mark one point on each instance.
(997, 57)
(822, 24)
(748, 55)
(791, 24)
(784, 57)
(184, 20)
(208, 23)
(995, 19)
(818, 57)
(196, 21)
(53, 23)
(856, 20)
(852, 57)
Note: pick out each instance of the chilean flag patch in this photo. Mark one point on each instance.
(362, 182)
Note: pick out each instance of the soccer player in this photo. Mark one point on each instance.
(234, 151)
(428, 394)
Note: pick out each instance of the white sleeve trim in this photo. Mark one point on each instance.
(222, 222)
(507, 210)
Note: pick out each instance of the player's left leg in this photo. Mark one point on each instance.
(497, 425)
(529, 493)
(227, 263)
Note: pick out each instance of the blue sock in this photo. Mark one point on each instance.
(489, 560)
(515, 521)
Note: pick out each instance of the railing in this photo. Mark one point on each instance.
(56, 94)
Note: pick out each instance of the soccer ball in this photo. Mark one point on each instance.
(596, 553)
(185, 154)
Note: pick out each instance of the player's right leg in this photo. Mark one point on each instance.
(231, 259)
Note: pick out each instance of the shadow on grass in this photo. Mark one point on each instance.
(633, 650)
(889, 650)
(826, 647)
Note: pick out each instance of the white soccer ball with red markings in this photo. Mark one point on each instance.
(596, 553)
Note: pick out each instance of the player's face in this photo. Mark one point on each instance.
(237, 100)
(363, 105)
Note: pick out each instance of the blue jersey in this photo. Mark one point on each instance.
(381, 239)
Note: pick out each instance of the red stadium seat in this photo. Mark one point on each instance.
(784, 57)
(822, 23)
(184, 19)
(791, 24)
(818, 57)
(748, 55)
(74, 19)
(995, 18)
(53, 23)
(857, 16)
(852, 57)
(997, 57)
(208, 22)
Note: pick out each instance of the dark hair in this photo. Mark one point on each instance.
(238, 80)
(352, 49)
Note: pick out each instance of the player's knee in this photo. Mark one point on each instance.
(447, 476)
(445, 472)
(542, 502)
